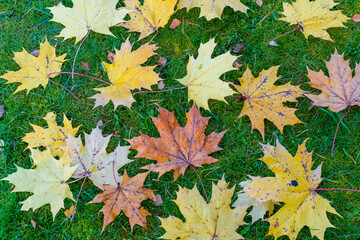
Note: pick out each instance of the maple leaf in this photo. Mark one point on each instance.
(340, 90)
(314, 17)
(126, 74)
(259, 209)
(178, 147)
(212, 9)
(294, 184)
(265, 100)
(149, 17)
(34, 70)
(53, 137)
(85, 15)
(93, 160)
(215, 220)
(47, 181)
(126, 197)
(203, 75)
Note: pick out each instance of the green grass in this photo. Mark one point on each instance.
(23, 24)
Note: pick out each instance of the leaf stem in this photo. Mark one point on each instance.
(207, 199)
(73, 66)
(80, 75)
(167, 90)
(298, 26)
(64, 88)
(114, 173)
(337, 128)
(77, 199)
(342, 189)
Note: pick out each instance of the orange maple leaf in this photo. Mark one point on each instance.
(126, 197)
(178, 147)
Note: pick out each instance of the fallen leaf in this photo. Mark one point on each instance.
(93, 156)
(111, 57)
(35, 53)
(126, 74)
(47, 182)
(175, 22)
(214, 220)
(341, 89)
(162, 61)
(149, 17)
(356, 18)
(212, 9)
(272, 43)
(294, 184)
(34, 70)
(314, 17)
(161, 85)
(238, 48)
(203, 74)
(178, 147)
(54, 137)
(85, 15)
(86, 66)
(264, 100)
(70, 212)
(33, 223)
(237, 64)
(158, 201)
(259, 2)
(126, 197)
(100, 123)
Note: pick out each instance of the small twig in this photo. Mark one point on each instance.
(73, 67)
(167, 90)
(298, 26)
(77, 199)
(207, 199)
(64, 88)
(84, 75)
(337, 128)
(342, 189)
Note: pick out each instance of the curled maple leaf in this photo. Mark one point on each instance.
(126, 197)
(85, 15)
(294, 184)
(126, 74)
(178, 147)
(54, 137)
(215, 220)
(34, 70)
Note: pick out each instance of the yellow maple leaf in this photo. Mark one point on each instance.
(126, 74)
(294, 184)
(203, 75)
(149, 17)
(212, 9)
(47, 182)
(314, 17)
(34, 70)
(85, 15)
(265, 100)
(215, 220)
(53, 137)
(94, 162)
(341, 89)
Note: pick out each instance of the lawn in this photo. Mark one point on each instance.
(23, 24)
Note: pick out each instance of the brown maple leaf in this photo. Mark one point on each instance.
(178, 147)
(126, 197)
(340, 90)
